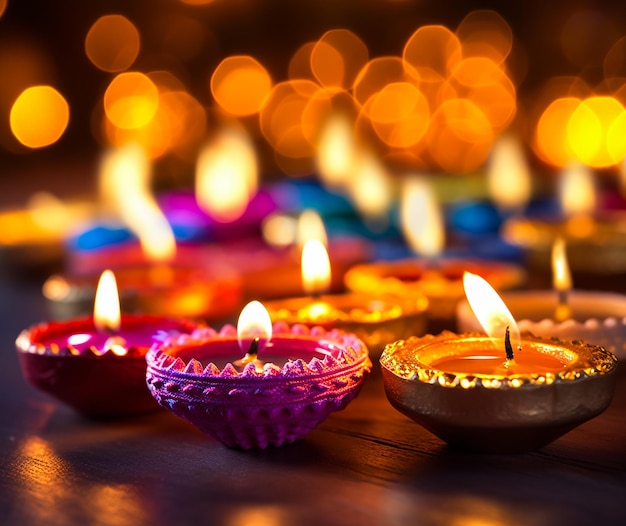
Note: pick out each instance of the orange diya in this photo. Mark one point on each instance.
(495, 394)
(96, 365)
(439, 279)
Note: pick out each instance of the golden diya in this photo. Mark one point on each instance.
(375, 318)
(502, 392)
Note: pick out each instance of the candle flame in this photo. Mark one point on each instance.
(227, 175)
(316, 273)
(421, 218)
(488, 307)
(336, 151)
(254, 322)
(106, 310)
(311, 226)
(508, 176)
(577, 191)
(561, 275)
(125, 186)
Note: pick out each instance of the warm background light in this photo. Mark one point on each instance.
(240, 85)
(421, 218)
(131, 100)
(112, 43)
(39, 116)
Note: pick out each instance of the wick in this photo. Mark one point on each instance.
(563, 311)
(252, 353)
(508, 348)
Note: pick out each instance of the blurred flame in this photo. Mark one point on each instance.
(106, 309)
(279, 230)
(370, 186)
(49, 212)
(577, 191)
(488, 307)
(421, 218)
(310, 226)
(227, 175)
(561, 275)
(508, 176)
(254, 322)
(125, 186)
(336, 151)
(316, 274)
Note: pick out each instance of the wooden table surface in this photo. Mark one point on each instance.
(365, 465)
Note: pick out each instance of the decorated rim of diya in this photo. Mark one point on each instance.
(402, 358)
(351, 307)
(405, 275)
(351, 354)
(30, 339)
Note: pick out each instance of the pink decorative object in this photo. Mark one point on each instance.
(307, 374)
(96, 373)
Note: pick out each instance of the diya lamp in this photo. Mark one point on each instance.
(596, 241)
(155, 275)
(375, 319)
(501, 393)
(257, 385)
(96, 364)
(437, 278)
(596, 317)
(33, 236)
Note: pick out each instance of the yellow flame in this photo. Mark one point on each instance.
(316, 273)
(370, 187)
(254, 322)
(421, 218)
(488, 307)
(577, 190)
(227, 175)
(336, 151)
(106, 309)
(125, 186)
(561, 275)
(311, 226)
(508, 175)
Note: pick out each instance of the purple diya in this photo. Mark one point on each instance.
(98, 373)
(306, 374)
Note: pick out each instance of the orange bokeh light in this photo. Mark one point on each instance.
(551, 142)
(484, 33)
(240, 85)
(112, 43)
(379, 72)
(400, 114)
(337, 58)
(131, 100)
(39, 116)
(461, 136)
(434, 51)
(281, 118)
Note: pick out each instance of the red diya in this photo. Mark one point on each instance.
(439, 279)
(96, 365)
(279, 391)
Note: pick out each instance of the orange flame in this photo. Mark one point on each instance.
(106, 310)
(316, 272)
(421, 218)
(254, 322)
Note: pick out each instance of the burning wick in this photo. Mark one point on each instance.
(508, 349)
(251, 356)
